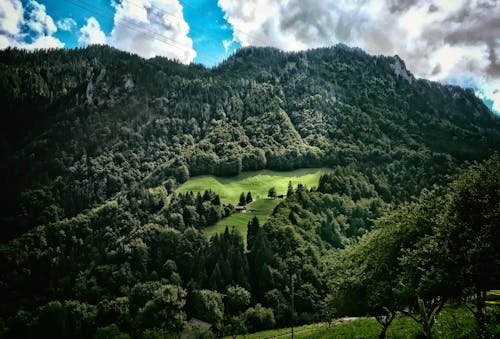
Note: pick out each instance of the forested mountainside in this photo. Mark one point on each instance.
(81, 126)
(90, 136)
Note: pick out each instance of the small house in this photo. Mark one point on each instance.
(240, 209)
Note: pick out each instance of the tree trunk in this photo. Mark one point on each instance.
(424, 318)
(383, 332)
(385, 321)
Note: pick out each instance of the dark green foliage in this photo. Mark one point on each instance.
(444, 247)
(236, 300)
(208, 306)
(243, 200)
(224, 262)
(252, 230)
(289, 191)
(249, 198)
(153, 304)
(259, 318)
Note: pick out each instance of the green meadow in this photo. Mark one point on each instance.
(259, 183)
(261, 208)
(453, 322)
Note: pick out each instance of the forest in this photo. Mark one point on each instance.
(96, 240)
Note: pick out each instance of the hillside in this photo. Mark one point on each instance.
(102, 233)
(82, 126)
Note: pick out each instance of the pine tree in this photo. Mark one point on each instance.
(252, 230)
(216, 200)
(249, 197)
(290, 191)
(243, 200)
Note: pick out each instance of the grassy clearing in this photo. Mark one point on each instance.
(261, 208)
(258, 182)
(452, 322)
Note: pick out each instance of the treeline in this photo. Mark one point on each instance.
(442, 248)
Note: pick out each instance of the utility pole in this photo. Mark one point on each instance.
(293, 309)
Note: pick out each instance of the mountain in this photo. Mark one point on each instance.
(81, 126)
(94, 143)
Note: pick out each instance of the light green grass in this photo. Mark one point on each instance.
(453, 322)
(258, 182)
(261, 208)
(282, 332)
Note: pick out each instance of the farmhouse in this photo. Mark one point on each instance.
(240, 209)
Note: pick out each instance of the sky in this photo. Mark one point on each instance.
(451, 41)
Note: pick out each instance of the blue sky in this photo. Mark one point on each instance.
(208, 28)
(451, 41)
(76, 10)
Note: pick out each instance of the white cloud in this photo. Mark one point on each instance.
(39, 22)
(152, 28)
(66, 24)
(18, 23)
(4, 42)
(441, 40)
(11, 17)
(44, 41)
(91, 33)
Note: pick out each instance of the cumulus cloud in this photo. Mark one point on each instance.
(43, 41)
(28, 28)
(91, 33)
(39, 22)
(11, 17)
(152, 28)
(66, 24)
(441, 40)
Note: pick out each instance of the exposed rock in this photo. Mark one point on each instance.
(400, 70)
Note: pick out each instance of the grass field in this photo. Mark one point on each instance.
(261, 208)
(452, 322)
(259, 183)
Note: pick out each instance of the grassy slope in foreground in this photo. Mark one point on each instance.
(259, 183)
(453, 322)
